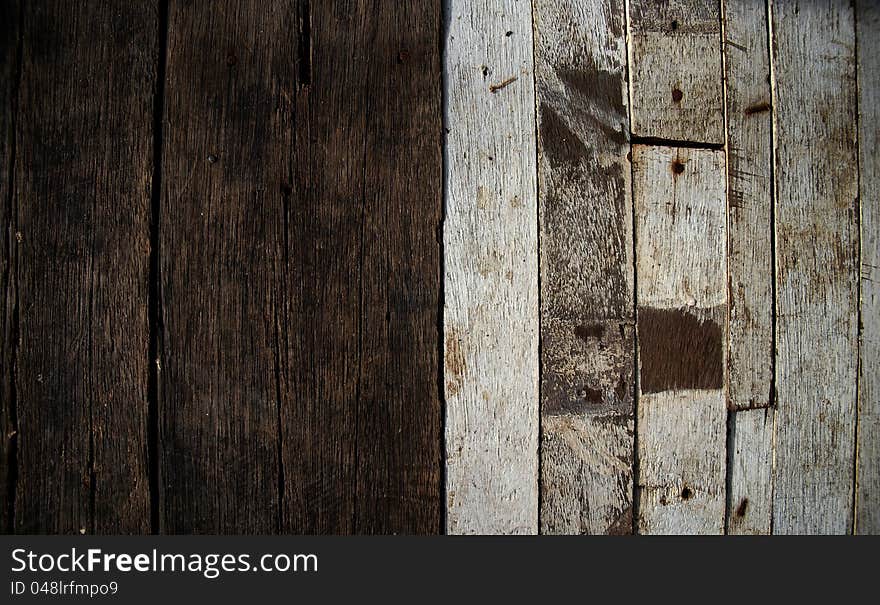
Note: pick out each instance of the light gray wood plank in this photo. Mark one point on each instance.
(587, 310)
(816, 265)
(675, 65)
(679, 198)
(491, 269)
(750, 501)
(749, 204)
(868, 480)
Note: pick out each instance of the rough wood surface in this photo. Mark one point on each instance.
(682, 310)
(9, 74)
(749, 204)
(300, 269)
(675, 70)
(491, 269)
(868, 470)
(587, 346)
(81, 211)
(750, 460)
(816, 265)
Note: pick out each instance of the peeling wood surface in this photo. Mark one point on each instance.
(682, 307)
(816, 266)
(675, 70)
(587, 345)
(868, 470)
(750, 453)
(491, 270)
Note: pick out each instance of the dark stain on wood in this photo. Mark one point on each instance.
(623, 525)
(742, 507)
(678, 350)
(598, 85)
(587, 332)
(757, 108)
(562, 146)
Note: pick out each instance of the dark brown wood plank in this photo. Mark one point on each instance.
(361, 411)
(300, 268)
(226, 142)
(9, 53)
(81, 206)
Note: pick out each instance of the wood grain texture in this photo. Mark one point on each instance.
(587, 313)
(682, 307)
(750, 500)
(9, 74)
(868, 471)
(81, 208)
(491, 269)
(816, 265)
(675, 70)
(300, 269)
(749, 204)
(361, 414)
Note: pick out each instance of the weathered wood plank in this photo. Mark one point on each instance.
(81, 229)
(227, 132)
(675, 70)
(301, 269)
(868, 69)
(587, 313)
(750, 501)
(816, 265)
(9, 74)
(400, 437)
(491, 269)
(749, 204)
(682, 310)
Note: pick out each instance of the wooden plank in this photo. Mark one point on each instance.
(491, 269)
(82, 209)
(816, 265)
(9, 73)
(750, 500)
(226, 132)
(587, 314)
(868, 70)
(680, 237)
(749, 205)
(400, 436)
(301, 269)
(675, 63)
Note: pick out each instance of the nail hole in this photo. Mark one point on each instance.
(676, 95)
(677, 167)
(686, 493)
(674, 25)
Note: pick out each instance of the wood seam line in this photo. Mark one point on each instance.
(665, 142)
(728, 457)
(538, 255)
(154, 290)
(855, 480)
(771, 37)
(635, 282)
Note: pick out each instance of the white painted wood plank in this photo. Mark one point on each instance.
(749, 204)
(679, 197)
(491, 269)
(816, 265)
(868, 481)
(750, 501)
(675, 65)
(587, 313)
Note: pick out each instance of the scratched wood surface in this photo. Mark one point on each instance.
(817, 243)
(750, 263)
(587, 343)
(490, 285)
(513, 267)
(680, 233)
(868, 470)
